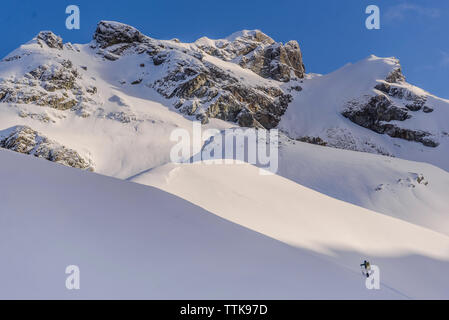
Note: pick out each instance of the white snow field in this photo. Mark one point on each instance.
(411, 258)
(416, 192)
(134, 241)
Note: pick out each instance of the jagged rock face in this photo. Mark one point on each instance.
(111, 33)
(414, 102)
(25, 140)
(376, 114)
(371, 115)
(380, 110)
(197, 87)
(205, 91)
(52, 85)
(396, 76)
(50, 39)
(237, 45)
(201, 89)
(313, 140)
(276, 61)
(259, 53)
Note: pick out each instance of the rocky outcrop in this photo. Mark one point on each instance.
(236, 45)
(313, 140)
(256, 51)
(25, 140)
(55, 85)
(276, 61)
(414, 102)
(49, 39)
(109, 33)
(203, 90)
(395, 76)
(197, 87)
(394, 102)
(378, 111)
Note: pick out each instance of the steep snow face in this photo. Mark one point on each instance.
(136, 242)
(369, 107)
(301, 217)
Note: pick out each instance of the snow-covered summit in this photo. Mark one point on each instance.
(246, 78)
(109, 33)
(258, 52)
(368, 106)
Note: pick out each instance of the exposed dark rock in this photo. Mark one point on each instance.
(240, 45)
(207, 92)
(246, 119)
(395, 76)
(427, 109)
(110, 56)
(111, 33)
(259, 53)
(414, 106)
(276, 61)
(136, 81)
(25, 140)
(414, 102)
(295, 88)
(313, 140)
(159, 59)
(53, 85)
(203, 90)
(91, 90)
(50, 39)
(379, 110)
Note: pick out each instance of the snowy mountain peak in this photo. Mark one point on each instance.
(246, 78)
(255, 35)
(254, 50)
(49, 39)
(109, 33)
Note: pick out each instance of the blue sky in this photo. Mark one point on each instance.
(331, 33)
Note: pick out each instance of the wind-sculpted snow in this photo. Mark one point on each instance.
(137, 242)
(301, 217)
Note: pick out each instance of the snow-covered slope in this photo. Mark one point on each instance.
(303, 218)
(368, 106)
(137, 242)
(412, 191)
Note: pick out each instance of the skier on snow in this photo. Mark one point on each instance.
(366, 267)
